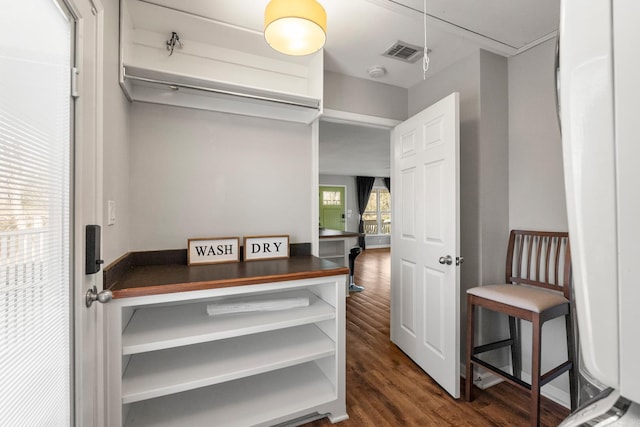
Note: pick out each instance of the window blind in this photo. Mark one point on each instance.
(35, 145)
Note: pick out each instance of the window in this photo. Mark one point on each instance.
(331, 198)
(377, 214)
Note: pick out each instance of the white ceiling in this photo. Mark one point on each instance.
(359, 31)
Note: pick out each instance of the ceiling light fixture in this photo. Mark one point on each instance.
(295, 27)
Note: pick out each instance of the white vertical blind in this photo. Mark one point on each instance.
(35, 146)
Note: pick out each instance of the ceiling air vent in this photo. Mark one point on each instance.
(404, 52)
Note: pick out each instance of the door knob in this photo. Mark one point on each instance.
(446, 260)
(93, 295)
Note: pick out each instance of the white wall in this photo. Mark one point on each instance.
(536, 180)
(115, 160)
(362, 96)
(198, 173)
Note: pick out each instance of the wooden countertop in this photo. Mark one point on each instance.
(126, 279)
(326, 233)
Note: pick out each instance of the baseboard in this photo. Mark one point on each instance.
(485, 379)
(377, 246)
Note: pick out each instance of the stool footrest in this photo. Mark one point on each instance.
(492, 346)
(555, 372)
(507, 376)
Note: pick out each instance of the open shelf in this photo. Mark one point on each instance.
(248, 401)
(157, 328)
(159, 373)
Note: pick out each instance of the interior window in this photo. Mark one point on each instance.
(377, 214)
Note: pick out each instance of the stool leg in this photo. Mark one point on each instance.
(571, 354)
(516, 354)
(470, 344)
(536, 329)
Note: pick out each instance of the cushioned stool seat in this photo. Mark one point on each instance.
(532, 299)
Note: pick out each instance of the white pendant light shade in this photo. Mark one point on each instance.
(295, 27)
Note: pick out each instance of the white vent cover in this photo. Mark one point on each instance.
(404, 52)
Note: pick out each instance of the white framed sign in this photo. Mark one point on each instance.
(266, 247)
(213, 250)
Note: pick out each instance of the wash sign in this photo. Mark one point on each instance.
(213, 250)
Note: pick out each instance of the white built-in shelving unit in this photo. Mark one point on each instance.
(217, 66)
(171, 364)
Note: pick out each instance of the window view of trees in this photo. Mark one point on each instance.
(377, 215)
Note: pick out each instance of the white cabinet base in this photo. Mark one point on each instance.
(171, 364)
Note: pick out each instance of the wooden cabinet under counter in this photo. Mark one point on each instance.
(170, 363)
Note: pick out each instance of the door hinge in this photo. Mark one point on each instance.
(459, 260)
(74, 82)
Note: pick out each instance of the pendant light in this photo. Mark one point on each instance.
(295, 27)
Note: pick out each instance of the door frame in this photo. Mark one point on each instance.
(86, 193)
(336, 116)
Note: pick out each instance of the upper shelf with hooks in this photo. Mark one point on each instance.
(176, 58)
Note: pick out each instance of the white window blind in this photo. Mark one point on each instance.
(35, 146)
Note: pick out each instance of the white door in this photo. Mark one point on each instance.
(48, 140)
(87, 188)
(425, 291)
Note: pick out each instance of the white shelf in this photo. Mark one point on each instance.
(157, 328)
(159, 373)
(248, 401)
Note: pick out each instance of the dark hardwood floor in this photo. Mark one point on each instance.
(385, 388)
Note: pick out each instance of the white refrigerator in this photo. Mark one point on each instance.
(599, 106)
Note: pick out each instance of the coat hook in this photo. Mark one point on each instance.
(172, 42)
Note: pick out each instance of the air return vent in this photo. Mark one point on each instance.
(404, 52)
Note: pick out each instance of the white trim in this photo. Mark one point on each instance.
(314, 183)
(337, 116)
(551, 35)
(379, 246)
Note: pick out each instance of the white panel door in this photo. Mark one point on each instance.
(425, 320)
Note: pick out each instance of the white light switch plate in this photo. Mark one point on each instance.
(111, 212)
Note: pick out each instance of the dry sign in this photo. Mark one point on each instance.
(266, 247)
(213, 250)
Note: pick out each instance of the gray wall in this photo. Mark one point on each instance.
(115, 160)
(198, 173)
(361, 96)
(536, 179)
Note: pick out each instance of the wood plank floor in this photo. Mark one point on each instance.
(385, 388)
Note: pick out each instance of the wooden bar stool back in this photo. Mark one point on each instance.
(537, 289)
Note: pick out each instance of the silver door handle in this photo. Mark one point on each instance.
(93, 295)
(446, 260)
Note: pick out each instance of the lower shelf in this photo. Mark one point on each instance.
(243, 402)
(163, 372)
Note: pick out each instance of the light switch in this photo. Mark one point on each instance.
(111, 212)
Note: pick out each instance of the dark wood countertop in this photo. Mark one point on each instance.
(326, 233)
(126, 279)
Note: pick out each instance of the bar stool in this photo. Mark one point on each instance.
(353, 254)
(537, 289)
